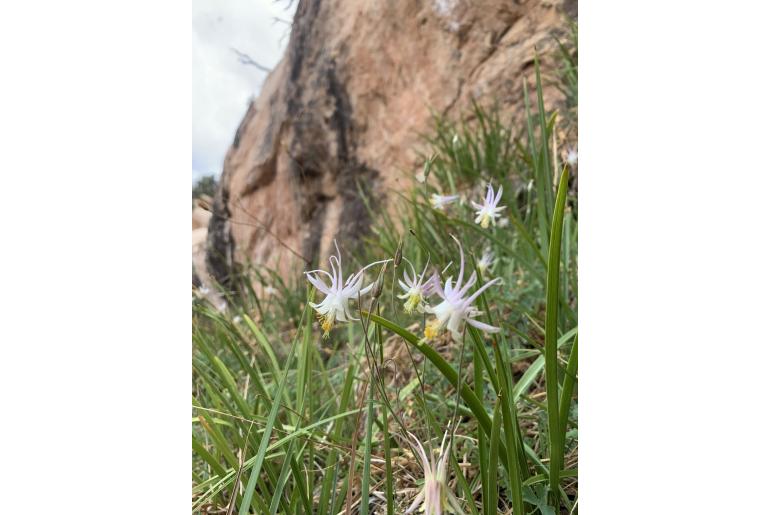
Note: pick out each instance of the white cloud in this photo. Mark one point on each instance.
(221, 84)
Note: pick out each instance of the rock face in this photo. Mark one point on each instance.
(349, 100)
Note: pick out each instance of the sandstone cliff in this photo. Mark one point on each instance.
(349, 100)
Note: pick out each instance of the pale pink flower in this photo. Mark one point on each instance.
(435, 496)
(415, 289)
(455, 308)
(440, 201)
(335, 306)
(487, 262)
(488, 211)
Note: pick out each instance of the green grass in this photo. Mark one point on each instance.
(285, 421)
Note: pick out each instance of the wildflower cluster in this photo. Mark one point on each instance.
(453, 308)
(449, 302)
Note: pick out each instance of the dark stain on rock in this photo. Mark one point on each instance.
(219, 241)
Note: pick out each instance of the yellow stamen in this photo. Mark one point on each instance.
(327, 322)
(412, 302)
(485, 221)
(431, 330)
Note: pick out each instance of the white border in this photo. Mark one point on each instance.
(673, 257)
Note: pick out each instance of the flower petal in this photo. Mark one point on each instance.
(318, 284)
(484, 327)
(416, 502)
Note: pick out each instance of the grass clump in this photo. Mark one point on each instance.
(459, 335)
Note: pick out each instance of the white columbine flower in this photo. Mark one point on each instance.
(335, 306)
(488, 211)
(572, 157)
(439, 201)
(435, 496)
(415, 289)
(487, 262)
(455, 308)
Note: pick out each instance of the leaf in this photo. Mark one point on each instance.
(551, 336)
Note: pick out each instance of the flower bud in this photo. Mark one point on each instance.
(377, 290)
(398, 256)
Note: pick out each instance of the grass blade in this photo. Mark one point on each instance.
(492, 494)
(367, 452)
(551, 337)
(257, 467)
(566, 393)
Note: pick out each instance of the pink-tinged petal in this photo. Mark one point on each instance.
(471, 282)
(431, 286)
(442, 463)
(447, 289)
(348, 314)
(327, 274)
(441, 449)
(319, 285)
(484, 327)
(402, 285)
(414, 273)
(454, 325)
(478, 292)
(351, 288)
(499, 195)
(476, 206)
(462, 261)
(433, 499)
(336, 272)
(339, 256)
(421, 453)
(367, 289)
(422, 275)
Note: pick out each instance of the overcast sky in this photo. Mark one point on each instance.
(221, 84)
